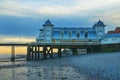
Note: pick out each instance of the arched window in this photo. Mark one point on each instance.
(86, 34)
(78, 34)
(62, 34)
(69, 34)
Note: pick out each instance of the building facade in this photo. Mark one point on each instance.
(112, 37)
(51, 34)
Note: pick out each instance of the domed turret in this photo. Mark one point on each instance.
(99, 23)
(100, 28)
(48, 28)
(48, 23)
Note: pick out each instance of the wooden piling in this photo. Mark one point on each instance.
(38, 52)
(51, 54)
(32, 53)
(44, 52)
(59, 52)
(74, 50)
(28, 52)
(35, 53)
(12, 53)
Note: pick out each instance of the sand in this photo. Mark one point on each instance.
(97, 66)
(50, 69)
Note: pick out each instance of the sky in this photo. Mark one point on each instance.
(20, 20)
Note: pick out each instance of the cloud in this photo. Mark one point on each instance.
(55, 7)
(6, 38)
(10, 25)
(63, 13)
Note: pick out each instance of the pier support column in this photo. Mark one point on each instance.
(49, 51)
(31, 50)
(28, 52)
(59, 52)
(38, 52)
(118, 47)
(74, 50)
(35, 53)
(51, 54)
(12, 53)
(44, 52)
(32, 53)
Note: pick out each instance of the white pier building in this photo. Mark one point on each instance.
(51, 34)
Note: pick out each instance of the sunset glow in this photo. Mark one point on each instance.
(21, 20)
(18, 50)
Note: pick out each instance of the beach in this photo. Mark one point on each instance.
(99, 66)
(50, 69)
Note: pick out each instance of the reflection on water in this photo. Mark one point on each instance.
(39, 73)
(5, 56)
(13, 71)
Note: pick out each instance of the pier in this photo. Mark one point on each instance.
(34, 52)
(39, 51)
(13, 45)
(60, 38)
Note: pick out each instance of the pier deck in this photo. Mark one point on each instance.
(34, 51)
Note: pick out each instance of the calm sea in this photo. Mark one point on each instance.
(5, 55)
(9, 55)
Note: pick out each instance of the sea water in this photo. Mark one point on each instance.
(5, 55)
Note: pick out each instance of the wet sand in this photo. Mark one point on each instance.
(97, 66)
(50, 69)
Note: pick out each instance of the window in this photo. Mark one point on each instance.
(78, 34)
(66, 34)
(74, 35)
(69, 34)
(100, 30)
(62, 34)
(86, 34)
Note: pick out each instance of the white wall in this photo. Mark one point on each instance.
(100, 31)
(110, 40)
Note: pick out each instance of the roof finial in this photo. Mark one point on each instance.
(99, 20)
(48, 20)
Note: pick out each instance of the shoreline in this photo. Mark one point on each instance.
(54, 66)
(93, 66)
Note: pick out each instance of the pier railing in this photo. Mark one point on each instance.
(13, 43)
(66, 43)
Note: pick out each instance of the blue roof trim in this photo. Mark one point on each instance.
(58, 28)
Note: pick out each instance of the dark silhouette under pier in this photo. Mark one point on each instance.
(34, 52)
